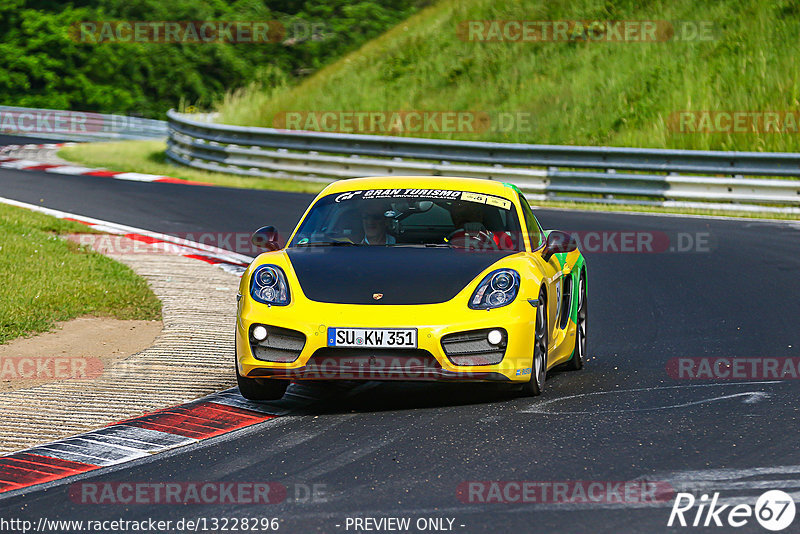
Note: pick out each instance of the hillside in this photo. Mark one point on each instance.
(606, 91)
(51, 58)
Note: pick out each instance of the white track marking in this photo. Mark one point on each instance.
(138, 177)
(729, 473)
(20, 164)
(108, 226)
(70, 169)
(752, 396)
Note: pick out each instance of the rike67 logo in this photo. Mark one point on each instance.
(774, 510)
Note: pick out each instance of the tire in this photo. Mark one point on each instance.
(578, 358)
(261, 389)
(535, 385)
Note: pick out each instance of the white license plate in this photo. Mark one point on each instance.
(379, 338)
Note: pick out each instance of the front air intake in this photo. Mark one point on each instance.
(473, 347)
(280, 346)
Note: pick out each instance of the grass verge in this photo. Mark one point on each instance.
(47, 279)
(149, 157)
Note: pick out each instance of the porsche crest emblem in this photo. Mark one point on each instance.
(377, 296)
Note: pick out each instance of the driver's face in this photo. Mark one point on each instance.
(464, 212)
(374, 223)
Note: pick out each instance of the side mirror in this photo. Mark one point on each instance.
(266, 237)
(558, 241)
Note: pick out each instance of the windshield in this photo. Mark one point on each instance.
(411, 217)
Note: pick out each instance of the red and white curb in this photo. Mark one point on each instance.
(154, 432)
(232, 262)
(132, 439)
(5, 149)
(28, 164)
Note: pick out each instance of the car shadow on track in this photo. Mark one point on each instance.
(374, 396)
(316, 397)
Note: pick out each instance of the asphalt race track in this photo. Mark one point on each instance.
(403, 450)
(25, 140)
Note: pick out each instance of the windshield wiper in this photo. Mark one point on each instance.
(328, 244)
(419, 245)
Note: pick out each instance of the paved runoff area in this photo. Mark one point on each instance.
(192, 357)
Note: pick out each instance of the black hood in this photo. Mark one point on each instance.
(404, 275)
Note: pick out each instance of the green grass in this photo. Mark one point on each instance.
(149, 157)
(578, 93)
(48, 279)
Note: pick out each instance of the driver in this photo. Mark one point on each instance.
(375, 224)
(467, 216)
(469, 228)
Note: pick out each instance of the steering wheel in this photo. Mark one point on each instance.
(471, 239)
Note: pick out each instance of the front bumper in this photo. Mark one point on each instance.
(428, 362)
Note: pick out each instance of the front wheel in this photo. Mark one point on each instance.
(261, 389)
(535, 386)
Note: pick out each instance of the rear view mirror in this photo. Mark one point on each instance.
(266, 237)
(557, 242)
(423, 205)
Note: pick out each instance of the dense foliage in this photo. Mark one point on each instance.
(44, 63)
(574, 91)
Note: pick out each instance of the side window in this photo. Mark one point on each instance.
(535, 233)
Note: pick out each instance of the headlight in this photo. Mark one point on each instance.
(497, 289)
(268, 285)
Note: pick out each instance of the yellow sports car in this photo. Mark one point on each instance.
(412, 278)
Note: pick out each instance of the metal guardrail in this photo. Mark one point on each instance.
(77, 125)
(673, 178)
